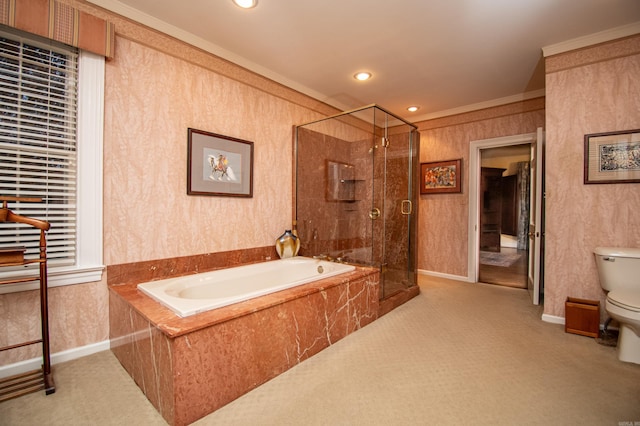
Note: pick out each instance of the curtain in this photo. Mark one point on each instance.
(523, 179)
(60, 22)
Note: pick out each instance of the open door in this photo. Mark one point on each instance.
(536, 233)
(535, 282)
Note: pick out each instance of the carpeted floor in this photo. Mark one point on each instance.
(458, 353)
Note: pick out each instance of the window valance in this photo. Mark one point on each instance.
(61, 22)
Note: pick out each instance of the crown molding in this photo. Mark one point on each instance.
(592, 39)
(481, 105)
(138, 16)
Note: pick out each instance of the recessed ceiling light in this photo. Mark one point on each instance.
(413, 108)
(246, 4)
(362, 76)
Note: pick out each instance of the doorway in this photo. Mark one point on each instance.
(504, 215)
(535, 230)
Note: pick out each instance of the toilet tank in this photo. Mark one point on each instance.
(618, 267)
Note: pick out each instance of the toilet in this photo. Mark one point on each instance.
(619, 273)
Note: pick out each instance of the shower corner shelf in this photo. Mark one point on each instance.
(40, 379)
(349, 190)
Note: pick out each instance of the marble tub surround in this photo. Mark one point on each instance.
(189, 367)
(173, 325)
(139, 272)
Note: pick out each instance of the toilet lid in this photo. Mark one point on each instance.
(626, 299)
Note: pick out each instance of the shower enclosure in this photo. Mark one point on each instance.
(356, 192)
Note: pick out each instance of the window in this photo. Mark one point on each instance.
(51, 99)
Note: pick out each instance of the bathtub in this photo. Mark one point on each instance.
(190, 367)
(191, 294)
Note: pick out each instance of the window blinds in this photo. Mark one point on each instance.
(38, 99)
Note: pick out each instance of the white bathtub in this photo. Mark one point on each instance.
(191, 294)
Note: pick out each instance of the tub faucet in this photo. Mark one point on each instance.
(323, 257)
(338, 259)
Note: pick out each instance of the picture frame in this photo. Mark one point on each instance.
(441, 177)
(612, 157)
(218, 165)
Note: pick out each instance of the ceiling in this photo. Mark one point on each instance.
(443, 56)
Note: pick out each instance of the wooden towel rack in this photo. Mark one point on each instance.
(21, 384)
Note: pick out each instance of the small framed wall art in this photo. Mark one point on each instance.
(612, 157)
(219, 165)
(440, 177)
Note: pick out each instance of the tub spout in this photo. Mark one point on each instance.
(338, 259)
(323, 257)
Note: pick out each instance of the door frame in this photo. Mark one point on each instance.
(536, 222)
(473, 265)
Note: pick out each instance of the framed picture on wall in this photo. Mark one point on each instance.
(219, 165)
(441, 177)
(612, 157)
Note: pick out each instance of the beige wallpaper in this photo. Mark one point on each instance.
(78, 316)
(151, 101)
(587, 96)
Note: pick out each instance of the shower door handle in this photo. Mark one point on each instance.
(407, 207)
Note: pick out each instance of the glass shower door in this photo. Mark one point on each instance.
(394, 198)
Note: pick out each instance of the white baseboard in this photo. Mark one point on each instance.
(552, 319)
(441, 275)
(68, 355)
